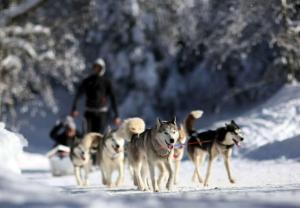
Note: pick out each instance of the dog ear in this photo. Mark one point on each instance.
(181, 127)
(174, 120)
(158, 123)
(233, 122)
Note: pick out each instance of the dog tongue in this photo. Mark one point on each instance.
(238, 144)
(170, 146)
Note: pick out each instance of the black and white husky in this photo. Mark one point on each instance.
(211, 143)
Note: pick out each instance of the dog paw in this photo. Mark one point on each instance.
(205, 184)
(169, 187)
(140, 188)
(200, 180)
(232, 180)
(119, 183)
(110, 185)
(86, 183)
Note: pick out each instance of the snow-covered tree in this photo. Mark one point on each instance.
(31, 60)
(165, 56)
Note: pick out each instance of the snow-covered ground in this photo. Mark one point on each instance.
(271, 130)
(259, 184)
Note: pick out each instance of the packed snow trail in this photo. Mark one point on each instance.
(259, 184)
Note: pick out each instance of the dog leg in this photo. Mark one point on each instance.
(198, 160)
(152, 175)
(137, 172)
(196, 176)
(78, 175)
(162, 174)
(227, 162)
(120, 178)
(212, 156)
(145, 176)
(177, 166)
(135, 180)
(104, 175)
(109, 177)
(200, 163)
(171, 175)
(86, 174)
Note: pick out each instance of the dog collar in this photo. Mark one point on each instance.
(227, 146)
(81, 154)
(113, 155)
(179, 146)
(159, 149)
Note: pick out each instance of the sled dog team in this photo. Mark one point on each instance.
(158, 148)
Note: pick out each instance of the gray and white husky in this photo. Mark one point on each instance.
(153, 148)
(81, 156)
(212, 142)
(111, 149)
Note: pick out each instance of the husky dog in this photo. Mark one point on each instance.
(111, 149)
(81, 156)
(219, 141)
(177, 155)
(154, 147)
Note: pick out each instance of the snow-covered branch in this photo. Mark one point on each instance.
(17, 10)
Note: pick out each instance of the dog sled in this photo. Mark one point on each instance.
(60, 162)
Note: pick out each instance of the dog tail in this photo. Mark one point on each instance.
(190, 120)
(91, 138)
(136, 125)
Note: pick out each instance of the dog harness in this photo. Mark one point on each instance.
(113, 155)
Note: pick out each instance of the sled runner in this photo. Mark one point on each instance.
(60, 162)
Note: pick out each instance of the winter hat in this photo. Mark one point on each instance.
(101, 62)
(70, 123)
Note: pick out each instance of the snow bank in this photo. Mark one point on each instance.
(11, 148)
(288, 149)
(275, 120)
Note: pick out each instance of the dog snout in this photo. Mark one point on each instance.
(172, 141)
(117, 146)
(242, 138)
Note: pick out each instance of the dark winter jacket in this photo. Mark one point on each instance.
(59, 136)
(97, 89)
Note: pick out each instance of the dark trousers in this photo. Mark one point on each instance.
(95, 122)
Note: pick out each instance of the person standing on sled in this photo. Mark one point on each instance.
(97, 89)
